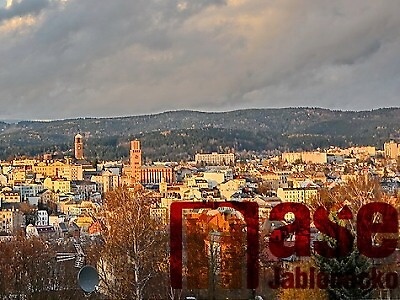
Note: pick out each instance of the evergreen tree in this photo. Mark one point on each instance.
(344, 273)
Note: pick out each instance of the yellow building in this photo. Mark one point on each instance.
(17, 175)
(348, 177)
(9, 196)
(318, 177)
(59, 169)
(309, 157)
(48, 170)
(227, 189)
(160, 214)
(392, 150)
(299, 194)
(193, 181)
(11, 220)
(58, 185)
(270, 176)
(5, 167)
(84, 222)
(23, 162)
(291, 157)
(362, 151)
(296, 179)
(217, 177)
(314, 157)
(66, 207)
(71, 172)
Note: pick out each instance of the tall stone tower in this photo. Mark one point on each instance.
(135, 161)
(78, 146)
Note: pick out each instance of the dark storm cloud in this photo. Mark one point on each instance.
(101, 58)
(23, 8)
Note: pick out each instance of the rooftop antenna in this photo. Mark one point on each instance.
(88, 277)
(79, 256)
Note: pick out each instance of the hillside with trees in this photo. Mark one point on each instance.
(179, 134)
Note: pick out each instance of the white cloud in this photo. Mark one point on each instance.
(101, 58)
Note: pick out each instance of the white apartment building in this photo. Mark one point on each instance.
(28, 190)
(215, 158)
(42, 218)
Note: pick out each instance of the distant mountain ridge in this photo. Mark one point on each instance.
(179, 134)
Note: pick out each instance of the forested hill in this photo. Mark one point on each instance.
(179, 134)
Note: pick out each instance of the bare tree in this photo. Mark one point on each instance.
(133, 262)
(29, 271)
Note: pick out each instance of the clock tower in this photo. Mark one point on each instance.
(135, 162)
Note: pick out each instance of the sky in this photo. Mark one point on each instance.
(97, 58)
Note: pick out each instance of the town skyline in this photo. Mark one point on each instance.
(59, 189)
(67, 199)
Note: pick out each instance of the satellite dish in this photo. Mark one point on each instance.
(88, 279)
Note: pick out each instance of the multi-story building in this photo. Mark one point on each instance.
(313, 157)
(283, 177)
(83, 188)
(106, 181)
(196, 181)
(28, 189)
(5, 167)
(228, 188)
(59, 169)
(27, 163)
(362, 151)
(3, 180)
(58, 185)
(155, 174)
(11, 220)
(299, 194)
(47, 169)
(9, 196)
(291, 157)
(215, 158)
(271, 179)
(392, 150)
(17, 175)
(73, 208)
(42, 218)
(72, 172)
(48, 197)
(146, 174)
(160, 214)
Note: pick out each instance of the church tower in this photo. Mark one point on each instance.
(78, 146)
